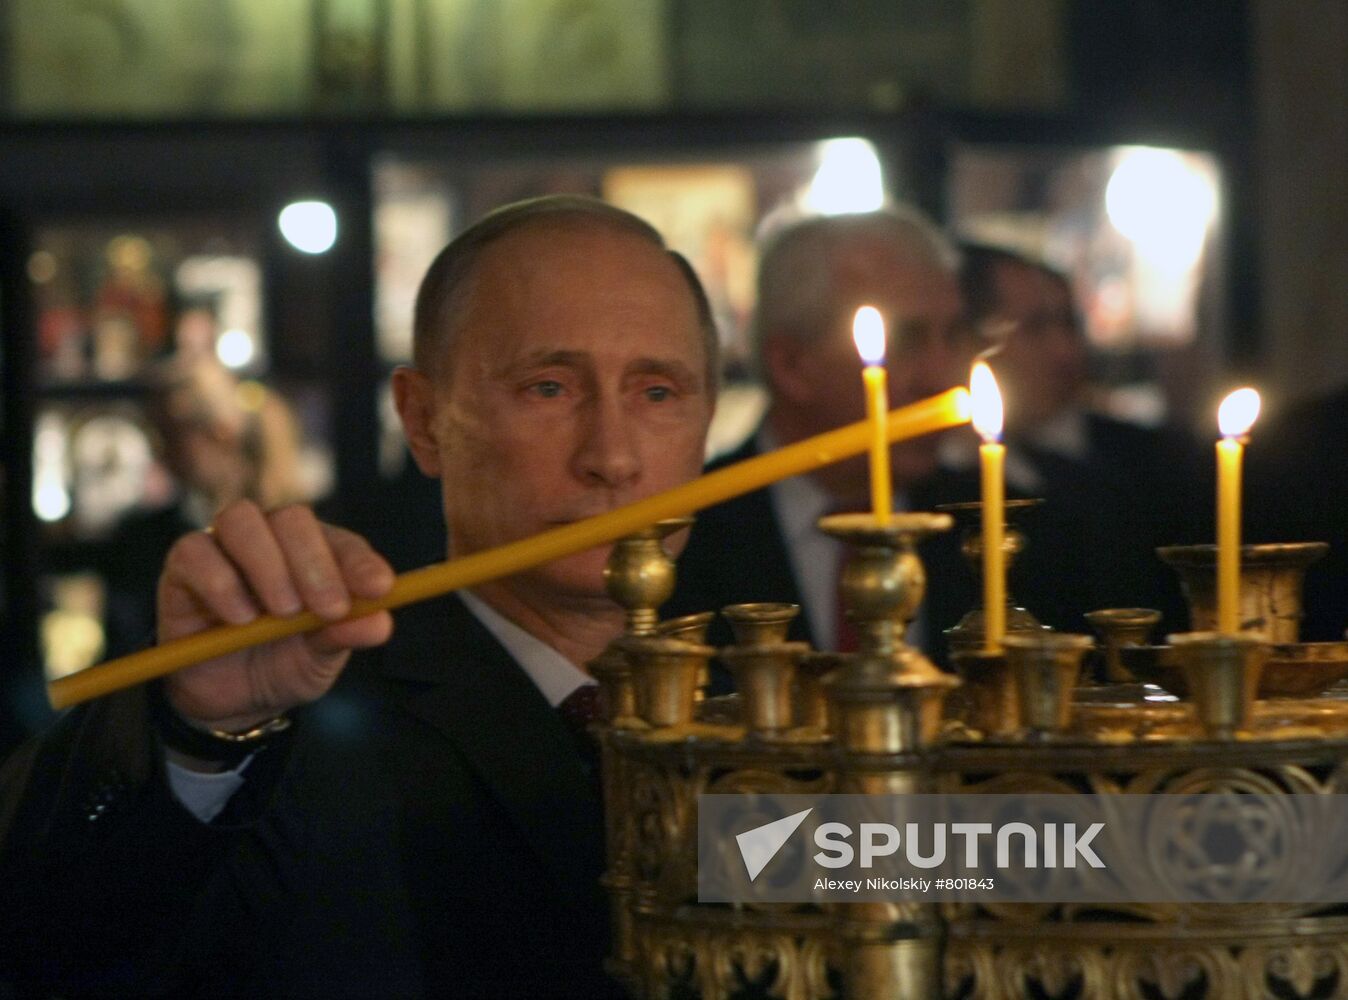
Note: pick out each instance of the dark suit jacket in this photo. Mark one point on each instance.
(1090, 545)
(737, 553)
(1093, 541)
(1297, 491)
(430, 829)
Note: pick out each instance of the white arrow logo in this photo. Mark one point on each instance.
(761, 844)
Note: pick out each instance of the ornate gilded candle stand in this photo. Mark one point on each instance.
(1205, 714)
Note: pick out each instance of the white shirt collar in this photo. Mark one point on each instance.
(553, 674)
(799, 501)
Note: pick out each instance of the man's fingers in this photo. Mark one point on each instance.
(198, 575)
(313, 566)
(243, 531)
(364, 570)
(359, 633)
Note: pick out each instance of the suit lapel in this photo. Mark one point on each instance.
(736, 553)
(470, 690)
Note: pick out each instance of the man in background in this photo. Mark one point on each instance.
(1297, 481)
(1113, 490)
(813, 276)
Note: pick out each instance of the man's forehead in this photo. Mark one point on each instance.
(913, 286)
(560, 237)
(1022, 283)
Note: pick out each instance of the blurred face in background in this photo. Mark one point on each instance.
(817, 383)
(1042, 364)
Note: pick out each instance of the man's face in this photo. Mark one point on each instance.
(577, 384)
(1042, 363)
(929, 350)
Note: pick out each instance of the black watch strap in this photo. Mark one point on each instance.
(214, 745)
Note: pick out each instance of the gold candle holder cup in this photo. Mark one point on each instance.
(1046, 667)
(761, 623)
(1222, 674)
(987, 700)
(1118, 628)
(1271, 577)
(764, 676)
(666, 674)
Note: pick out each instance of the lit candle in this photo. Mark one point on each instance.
(987, 420)
(949, 409)
(1234, 418)
(868, 332)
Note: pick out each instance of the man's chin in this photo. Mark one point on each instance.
(575, 577)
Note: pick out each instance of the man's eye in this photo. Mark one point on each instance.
(548, 388)
(659, 393)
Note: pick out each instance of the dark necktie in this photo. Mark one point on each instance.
(582, 707)
(579, 710)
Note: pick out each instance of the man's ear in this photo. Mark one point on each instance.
(414, 396)
(785, 361)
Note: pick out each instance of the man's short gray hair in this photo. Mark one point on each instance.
(448, 283)
(800, 280)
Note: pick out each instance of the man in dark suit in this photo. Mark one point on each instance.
(431, 826)
(813, 276)
(1297, 481)
(1113, 490)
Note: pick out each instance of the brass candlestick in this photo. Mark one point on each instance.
(1120, 627)
(1046, 666)
(693, 629)
(764, 676)
(968, 633)
(760, 623)
(1270, 585)
(883, 580)
(666, 674)
(1222, 674)
(688, 628)
(986, 702)
(640, 574)
(812, 709)
(879, 707)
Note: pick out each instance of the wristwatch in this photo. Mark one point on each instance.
(218, 746)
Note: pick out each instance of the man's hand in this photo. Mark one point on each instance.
(251, 563)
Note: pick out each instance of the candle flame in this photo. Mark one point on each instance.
(868, 333)
(987, 402)
(1238, 412)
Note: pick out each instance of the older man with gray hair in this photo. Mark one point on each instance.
(813, 276)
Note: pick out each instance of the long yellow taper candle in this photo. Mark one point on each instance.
(987, 419)
(868, 333)
(1235, 417)
(949, 409)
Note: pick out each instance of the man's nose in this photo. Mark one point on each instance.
(607, 454)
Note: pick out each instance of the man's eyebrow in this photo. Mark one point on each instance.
(675, 371)
(548, 359)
